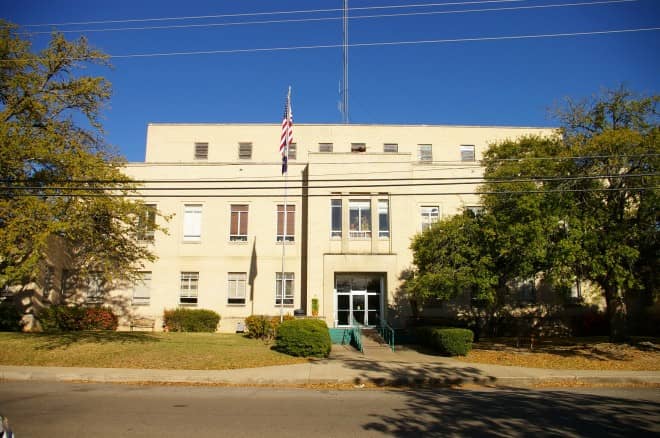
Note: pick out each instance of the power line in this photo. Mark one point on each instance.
(317, 19)
(250, 14)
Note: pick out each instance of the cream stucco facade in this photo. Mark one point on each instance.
(358, 194)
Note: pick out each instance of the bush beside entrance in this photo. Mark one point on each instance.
(303, 337)
(449, 341)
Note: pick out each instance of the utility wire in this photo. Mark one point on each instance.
(251, 14)
(317, 19)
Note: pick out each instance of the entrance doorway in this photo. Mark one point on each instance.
(359, 299)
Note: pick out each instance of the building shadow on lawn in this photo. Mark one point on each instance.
(60, 340)
(517, 412)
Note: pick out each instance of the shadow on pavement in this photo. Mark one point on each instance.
(517, 413)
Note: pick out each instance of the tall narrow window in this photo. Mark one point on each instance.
(383, 218)
(359, 217)
(325, 147)
(236, 283)
(390, 147)
(238, 228)
(430, 214)
(244, 151)
(201, 151)
(95, 287)
(290, 223)
(142, 289)
(147, 224)
(424, 153)
(293, 151)
(192, 223)
(358, 147)
(335, 218)
(467, 152)
(288, 288)
(189, 288)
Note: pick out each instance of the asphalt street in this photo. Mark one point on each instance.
(38, 409)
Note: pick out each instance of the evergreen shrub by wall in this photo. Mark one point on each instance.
(449, 341)
(10, 317)
(74, 318)
(191, 320)
(303, 337)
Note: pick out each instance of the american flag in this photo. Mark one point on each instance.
(286, 138)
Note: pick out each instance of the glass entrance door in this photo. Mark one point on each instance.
(358, 297)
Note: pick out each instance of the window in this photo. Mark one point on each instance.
(244, 151)
(424, 153)
(147, 224)
(391, 147)
(236, 287)
(358, 147)
(201, 151)
(335, 218)
(288, 289)
(239, 223)
(474, 210)
(189, 288)
(95, 288)
(289, 233)
(430, 215)
(383, 218)
(467, 152)
(192, 222)
(142, 289)
(325, 147)
(293, 151)
(359, 217)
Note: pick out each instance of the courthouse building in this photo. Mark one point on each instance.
(355, 197)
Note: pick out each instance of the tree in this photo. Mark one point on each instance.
(61, 183)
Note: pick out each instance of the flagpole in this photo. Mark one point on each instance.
(286, 223)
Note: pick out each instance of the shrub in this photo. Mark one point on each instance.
(263, 326)
(10, 318)
(65, 318)
(99, 318)
(191, 320)
(450, 341)
(304, 337)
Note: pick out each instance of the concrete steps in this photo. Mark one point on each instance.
(372, 342)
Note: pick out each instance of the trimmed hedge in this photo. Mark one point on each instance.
(303, 337)
(65, 318)
(449, 341)
(191, 320)
(10, 317)
(263, 326)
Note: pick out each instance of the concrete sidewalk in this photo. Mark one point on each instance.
(345, 366)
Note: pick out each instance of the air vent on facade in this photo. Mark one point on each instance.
(325, 147)
(467, 152)
(391, 147)
(358, 147)
(293, 150)
(245, 151)
(201, 151)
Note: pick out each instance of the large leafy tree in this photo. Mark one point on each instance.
(61, 184)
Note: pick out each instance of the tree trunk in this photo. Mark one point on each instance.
(616, 313)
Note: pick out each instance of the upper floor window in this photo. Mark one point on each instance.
(293, 151)
(358, 147)
(325, 147)
(474, 210)
(238, 227)
(244, 151)
(429, 215)
(335, 218)
(383, 218)
(189, 288)
(201, 151)
(142, 289)
(290, 220)
(359, 218)
(424, 153)
(236, 283)
(192, 222)
(467, 152)
(147, 224)
(391, 147)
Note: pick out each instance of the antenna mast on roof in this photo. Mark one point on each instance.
(344, 90)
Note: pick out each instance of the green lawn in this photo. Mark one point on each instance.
(182, 351)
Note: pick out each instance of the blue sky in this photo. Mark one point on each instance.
(496, 82)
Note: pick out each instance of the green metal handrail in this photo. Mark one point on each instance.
(387, 333)
(356, 335)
